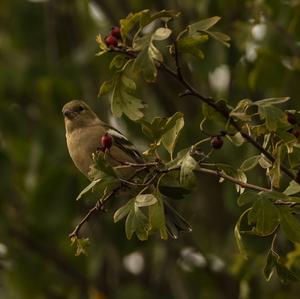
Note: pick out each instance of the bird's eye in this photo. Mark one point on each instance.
(80, 108)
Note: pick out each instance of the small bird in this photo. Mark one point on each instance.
(86, 134)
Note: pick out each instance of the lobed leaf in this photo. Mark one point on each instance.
(122, 101)
(190, 44)
(81, 244)
(290, 224)
(157, 218)
(265, 216)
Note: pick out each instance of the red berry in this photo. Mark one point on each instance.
(106, 141)
(111, 41)
(296, 133)
(116, 32)
(216, 142)
(291, 118)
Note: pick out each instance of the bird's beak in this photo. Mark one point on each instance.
(69, 114)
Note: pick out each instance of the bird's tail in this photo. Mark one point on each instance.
(175, 223)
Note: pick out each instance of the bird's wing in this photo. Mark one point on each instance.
(123, 143)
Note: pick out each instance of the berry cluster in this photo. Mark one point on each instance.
(114, 37)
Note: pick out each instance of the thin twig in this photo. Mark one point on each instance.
(232, 179)
(99, 206)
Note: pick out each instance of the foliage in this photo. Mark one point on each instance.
(269, 210)
(178, 86)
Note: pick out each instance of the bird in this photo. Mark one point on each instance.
(84, 131)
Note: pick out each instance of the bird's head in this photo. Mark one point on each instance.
(78, 114)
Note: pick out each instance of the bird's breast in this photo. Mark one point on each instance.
(81, 144)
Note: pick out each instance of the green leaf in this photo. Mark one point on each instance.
(101, 167)
(188, 165)
(246, 198)
(81, 244)
(122, 100)
(214, 116)
(145, 64)
(118, 62)
(294, 157)
(170, 186)
(265, 216)
(238, 236)
(124, 210)
(103, 48)
(293, 188)
(173, 129)
(88, 188)
(149, 54)
(273, 116)
(145, 200)
(250, 163)
(203, 25)
(157, 218)
(137, 222)
(105, 88)
(220, 37)
(275, 171)
(264, 162)
(131, 21)
(272, 259)
(165, 130)
(271, 101)
(290, 224)
(190, 44)
(165, 15)
(285, 275)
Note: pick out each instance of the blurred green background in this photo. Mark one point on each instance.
(47, 51)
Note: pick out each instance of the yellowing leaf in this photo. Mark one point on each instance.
(203, 25)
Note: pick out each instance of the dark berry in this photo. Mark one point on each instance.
(291, 118)
(106, 141)
(116, 32)
(296, 133)
(216, 142)
(111, 41)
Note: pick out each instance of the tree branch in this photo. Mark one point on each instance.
(190, 90)
(99, 206)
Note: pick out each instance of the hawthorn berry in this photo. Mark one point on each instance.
(116, 32)
(106, 142)
(291, 118)
(216, 142)
(111, 41)
(296, 133)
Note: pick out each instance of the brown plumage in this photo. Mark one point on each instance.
(84, 130)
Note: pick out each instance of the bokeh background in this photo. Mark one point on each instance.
(47, 51)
